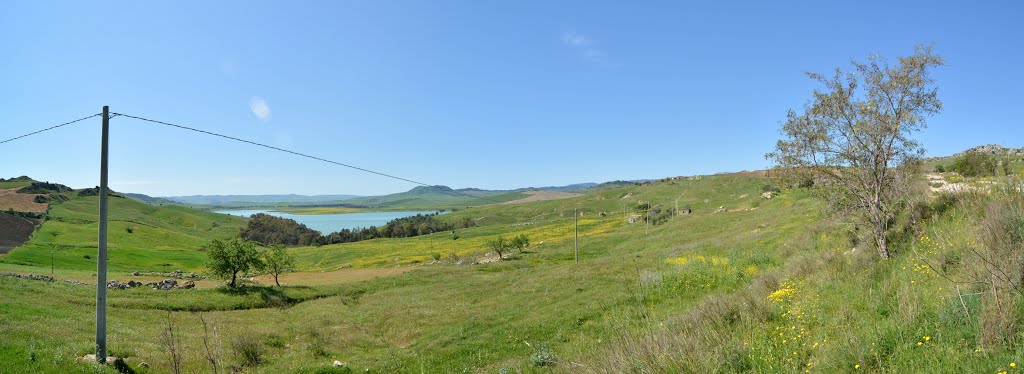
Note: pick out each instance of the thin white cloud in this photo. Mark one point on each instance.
(259, 107)
(575, 40)
(587, 48)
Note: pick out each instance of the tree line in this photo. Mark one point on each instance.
(977, 164)
(272, 230)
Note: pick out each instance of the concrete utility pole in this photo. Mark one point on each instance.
(647, 226)
(101, 259)
(576, 240)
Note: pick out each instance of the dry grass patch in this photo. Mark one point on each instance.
(10, 199)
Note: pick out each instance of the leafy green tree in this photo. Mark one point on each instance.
(520, 242)
(856, 137)
(498, 245)
(277, 261)
(229, 258)
(975, 164)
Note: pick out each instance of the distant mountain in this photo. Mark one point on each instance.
(571, 187)
(426, 190)
(230, 200)
(149, 199)
(436, 197)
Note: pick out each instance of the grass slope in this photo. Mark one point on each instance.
(744, 284)
(141, 236)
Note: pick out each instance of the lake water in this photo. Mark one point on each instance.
(328, 223)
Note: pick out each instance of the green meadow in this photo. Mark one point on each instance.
(744, 283)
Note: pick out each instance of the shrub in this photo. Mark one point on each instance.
(542, 355)
(44, 188)
(974, 164)
(248, 349)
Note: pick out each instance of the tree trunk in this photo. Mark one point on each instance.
(881, 243)
(233, 276)
(275, 280)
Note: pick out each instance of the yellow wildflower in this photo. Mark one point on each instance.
(919, 344)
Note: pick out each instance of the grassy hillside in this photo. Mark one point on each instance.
(743, 284)
(434, 197)
(141, 236)
(447, 317)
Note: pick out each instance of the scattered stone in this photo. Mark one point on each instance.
(634, 218)
(177, 274)
(45, 278)
(338, 364)
(768, 194)
(89, 358)
(721, 209)
(116, 284)
(188, 285)
(166, 284)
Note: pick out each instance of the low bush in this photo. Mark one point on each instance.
(248, 349)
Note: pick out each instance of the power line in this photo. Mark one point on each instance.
(293, 152)
(49, 128)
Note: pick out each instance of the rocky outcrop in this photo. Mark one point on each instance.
(998, 150)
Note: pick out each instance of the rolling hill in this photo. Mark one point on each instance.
(742, 281)
(141, 236)
(257, 200)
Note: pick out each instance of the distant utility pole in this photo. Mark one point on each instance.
(647, 227)
(576, 240)
(101, 259)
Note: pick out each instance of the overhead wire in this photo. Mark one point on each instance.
(295, 153)
(49, 128)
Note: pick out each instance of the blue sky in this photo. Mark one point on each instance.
(463, 93)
